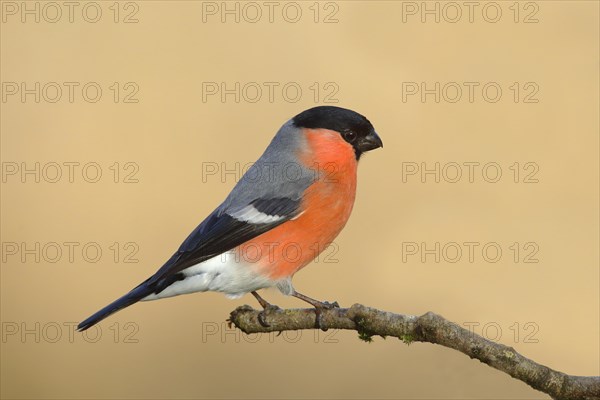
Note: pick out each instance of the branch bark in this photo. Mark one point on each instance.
(430, 328)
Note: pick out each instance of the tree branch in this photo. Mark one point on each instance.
(430, 328)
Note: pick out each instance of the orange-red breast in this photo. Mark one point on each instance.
(286, 209)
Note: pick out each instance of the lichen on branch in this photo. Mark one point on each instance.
(431, 328)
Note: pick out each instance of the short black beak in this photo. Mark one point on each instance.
(369, 142)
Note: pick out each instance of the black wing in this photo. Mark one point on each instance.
(221, 232)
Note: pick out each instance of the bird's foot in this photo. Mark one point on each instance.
(319, 307)
(267, 308)
(262, 316)
(328, 306)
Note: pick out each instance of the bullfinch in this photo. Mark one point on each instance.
(286, 209)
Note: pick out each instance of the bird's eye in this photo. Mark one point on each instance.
(349, 136)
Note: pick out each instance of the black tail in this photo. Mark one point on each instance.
(130, 298)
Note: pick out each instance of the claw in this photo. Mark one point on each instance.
(319, 312)
(319, 307)
(261, 319)
(328, 306)
(262, 316)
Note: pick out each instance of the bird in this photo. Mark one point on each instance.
(287, 208)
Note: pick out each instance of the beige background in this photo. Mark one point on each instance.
(170, 132)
